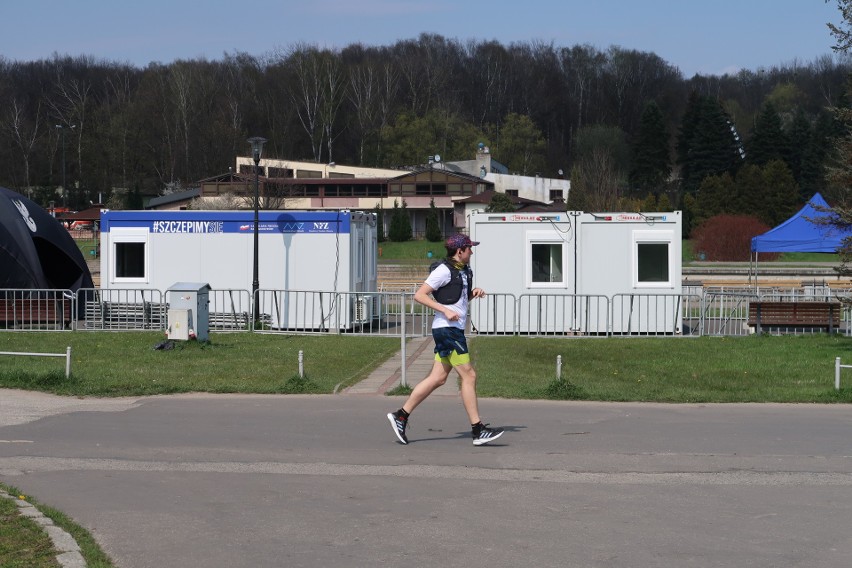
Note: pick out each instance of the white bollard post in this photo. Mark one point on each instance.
(837, 373)
(559, 367)
(301, 364)
(68, 362)
(402, 378)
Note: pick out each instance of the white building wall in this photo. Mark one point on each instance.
(327, 170)
(535, 188)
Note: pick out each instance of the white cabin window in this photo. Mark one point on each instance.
(130, 260)
(545, 260)
(652, 259)
(130, 255)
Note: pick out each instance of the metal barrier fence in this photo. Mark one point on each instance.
(312, 311)
(37, 310)
(713, 312)
(563, 314)
(494, 314)
(122, 310)
(229, 310)
(725, 314)
(655, 314)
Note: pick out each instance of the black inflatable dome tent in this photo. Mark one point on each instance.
(36, 251)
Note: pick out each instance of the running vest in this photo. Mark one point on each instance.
(451, 292)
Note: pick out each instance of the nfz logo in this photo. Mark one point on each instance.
(292, 227)
(321, 227)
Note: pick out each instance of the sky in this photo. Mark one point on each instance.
(696, 36)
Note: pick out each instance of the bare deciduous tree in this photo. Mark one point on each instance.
(24, 133)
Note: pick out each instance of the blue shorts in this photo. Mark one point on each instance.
(450, 345)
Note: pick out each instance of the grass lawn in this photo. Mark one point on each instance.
(125, 363)
(410, 250)
(704, 369)
(23, 543)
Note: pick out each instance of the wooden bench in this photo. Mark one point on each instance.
(51, 312)
(812, 315)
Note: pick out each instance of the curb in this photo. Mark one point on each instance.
(68, 551)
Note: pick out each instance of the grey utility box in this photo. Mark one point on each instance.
(189, 311)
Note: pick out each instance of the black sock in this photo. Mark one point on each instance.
(476, 426)
(403, 413)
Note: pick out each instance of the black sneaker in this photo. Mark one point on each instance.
(482, 434)
(399, 423)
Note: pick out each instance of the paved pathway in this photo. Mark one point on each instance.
(420, 357)
(312, 481)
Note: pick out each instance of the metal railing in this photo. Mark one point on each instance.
(578, 315)
(654, 314)
(713, 312)
(494, 314)
(122, 310)
(229, 310)
(37, 310)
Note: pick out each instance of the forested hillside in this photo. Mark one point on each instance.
(620, 123)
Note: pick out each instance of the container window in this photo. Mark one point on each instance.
(652, 259)
(653, 262)
(547, 263)
(129, 248)
(130, 260)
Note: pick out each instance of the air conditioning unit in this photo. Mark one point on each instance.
(362, 309)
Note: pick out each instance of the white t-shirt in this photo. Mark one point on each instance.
(441, 277)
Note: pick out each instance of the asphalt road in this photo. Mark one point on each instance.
(317, 481)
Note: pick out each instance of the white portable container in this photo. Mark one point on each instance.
(312, 251)
(578, 273)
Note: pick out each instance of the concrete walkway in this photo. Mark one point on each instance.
(420, 357)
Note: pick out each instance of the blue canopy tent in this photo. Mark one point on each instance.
(800, 233)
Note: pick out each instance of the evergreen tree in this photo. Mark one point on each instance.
(578, 199)
(649, 203)
(781, 193)
(400, 225)
(380, 223)
(812, 166)
(708, 144)
(799, 138)
(651, 165)
(768, 141)
(688, 126)
(500, 203)
(433, 229)
(688, 205)
(715, 196)
(751, 193)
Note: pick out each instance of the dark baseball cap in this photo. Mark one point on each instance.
(460, 241)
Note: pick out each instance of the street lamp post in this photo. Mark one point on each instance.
(256, 149)
(64, 190)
